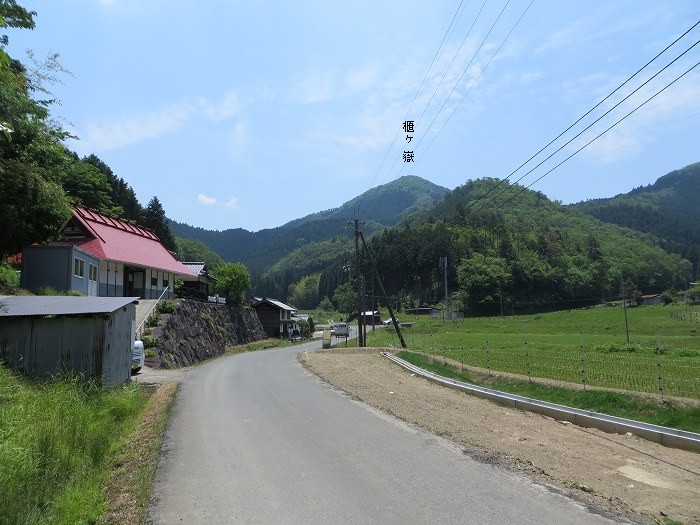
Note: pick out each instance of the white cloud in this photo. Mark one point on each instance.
(133, 129)
(239, 138)
(316, 86)
(233, 204)
(630, 137)
(207, 201)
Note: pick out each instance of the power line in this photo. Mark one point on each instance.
(588, 113)
(415, 97)
(462, 76)
(599, 135)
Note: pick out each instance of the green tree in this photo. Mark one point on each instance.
(325, 305)
(232, 281)
(345, 299)
(304, 293)
(193, 251)
(31, 208)
(155, 219)
(479, 276)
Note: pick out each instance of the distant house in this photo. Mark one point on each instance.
(276, 317)
(103, 256)
(371, 317)
(43, 336)
(646, 300)
(200, 283)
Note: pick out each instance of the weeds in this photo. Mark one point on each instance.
(55, 439)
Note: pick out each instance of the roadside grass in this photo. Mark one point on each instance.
(618, 404)
(56, 440)
(130, 483)
(257, 345)
(576, 346)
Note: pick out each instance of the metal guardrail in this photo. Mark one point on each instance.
(669, 437)
(139, 329)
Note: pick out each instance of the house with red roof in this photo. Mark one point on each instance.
(103, 256)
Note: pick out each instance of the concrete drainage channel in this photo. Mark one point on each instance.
(669, 437)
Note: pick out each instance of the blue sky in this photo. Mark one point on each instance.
(251, 114)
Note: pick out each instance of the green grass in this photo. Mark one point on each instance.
(55, 442)
(257, 345)
(611, 403)
(572, 346)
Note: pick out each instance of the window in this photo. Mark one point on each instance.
(165, 283)
(154, 281)
(93, 272)
(78, 267)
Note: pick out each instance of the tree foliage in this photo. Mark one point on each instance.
(232, 282)
(304, 293)
(153, 217)
(195, 251)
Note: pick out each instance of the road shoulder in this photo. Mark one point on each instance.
(621, 473)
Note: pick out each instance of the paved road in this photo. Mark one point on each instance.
(255, 438)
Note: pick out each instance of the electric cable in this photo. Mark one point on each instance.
(599, 135)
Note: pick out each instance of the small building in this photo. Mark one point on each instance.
(199, 284)
(650, 299)
(103, 256)
(371, 318)
(92, 337)
(276, 317)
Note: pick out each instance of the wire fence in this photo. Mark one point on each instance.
(649, 370)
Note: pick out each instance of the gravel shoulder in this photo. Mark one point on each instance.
(623, 473)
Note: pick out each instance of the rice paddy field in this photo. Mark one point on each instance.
(587, 347)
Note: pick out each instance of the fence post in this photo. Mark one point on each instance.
(583, 363)
(660, 369)
(488, 357)
(527, 355)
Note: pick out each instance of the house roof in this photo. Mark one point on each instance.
(197, 267)
(42, 305)
(114, 239)
(275, 302)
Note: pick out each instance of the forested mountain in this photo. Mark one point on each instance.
(669, 209)
(535, 253)
(380, 207)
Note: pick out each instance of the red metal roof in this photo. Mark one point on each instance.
(117, 240)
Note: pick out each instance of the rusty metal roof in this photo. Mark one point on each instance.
(43, 305)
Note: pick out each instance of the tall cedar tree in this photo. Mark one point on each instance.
(155, 219)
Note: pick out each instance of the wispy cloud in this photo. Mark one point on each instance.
(239, 138)
(133, 129)
(652, 120)
(233, 204)
(207, 201)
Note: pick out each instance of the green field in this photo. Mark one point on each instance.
(587, 346)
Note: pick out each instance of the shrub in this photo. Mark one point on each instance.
(167, 307)
(150, 342)
(153, 320)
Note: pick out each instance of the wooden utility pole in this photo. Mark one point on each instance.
(358, 271)
(381, 287)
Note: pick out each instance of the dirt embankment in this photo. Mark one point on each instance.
(622, 473)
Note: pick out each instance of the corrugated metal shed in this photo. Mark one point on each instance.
(42, 305)
(90, 336)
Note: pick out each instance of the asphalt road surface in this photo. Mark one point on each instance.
(255, 438)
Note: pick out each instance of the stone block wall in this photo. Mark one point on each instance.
(199, 331)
